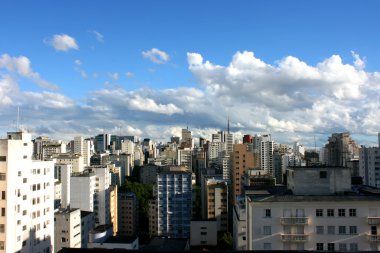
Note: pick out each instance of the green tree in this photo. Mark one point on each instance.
(225, 241)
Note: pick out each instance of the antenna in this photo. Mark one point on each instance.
(228, 124)
(18, 119)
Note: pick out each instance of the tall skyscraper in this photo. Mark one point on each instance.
(174, 202)
(27, 194)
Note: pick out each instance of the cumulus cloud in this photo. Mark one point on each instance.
(129, 74)
(156, 56)
(63, 42)
(290, 99)
(22, 66)
(78, 62)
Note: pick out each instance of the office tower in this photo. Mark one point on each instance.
(215, 200)
(127, 213)
(319, 213)
(266, 154)
(241, 160)
(369, 165)
(27, 194)
(83, 147)
(185, 158)
(340, 149)
(102, 142)
(186, 140)
(67, 228)
(174, 204)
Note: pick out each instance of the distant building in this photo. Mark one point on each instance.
(340, 149)
(369, 165)
(204, 233)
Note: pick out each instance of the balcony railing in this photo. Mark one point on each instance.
(294, 237)
(373, 238)
(373, 220)
(294, 220)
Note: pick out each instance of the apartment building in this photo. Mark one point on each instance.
(318, 211)
(27, 197)
(67, 229)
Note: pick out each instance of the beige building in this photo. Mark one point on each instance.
(241, 160)
(113, 208)
(153, 221)
(215, 201)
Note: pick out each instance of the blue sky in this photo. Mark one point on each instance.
(157, 99)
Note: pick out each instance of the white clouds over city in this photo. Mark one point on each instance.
(289, 98)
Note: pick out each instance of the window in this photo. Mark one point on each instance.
(267, 246)
(342, 230)
(342, 247)
(203, 233)
(2, 245)
(319, 230)
(330, 230)
(352, 212)
(323, 174)
(353, 247)
(24, 180)
(267, 213)
(3, 195)
(319, 246)
(267, 230)
(331, 246)
(341, 212)
(319, 212)
(353, 230)
(330, 212)
(3, 158)
(2, 228)
(2, 177)
(3, 211)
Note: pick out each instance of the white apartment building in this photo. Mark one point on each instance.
(369, 165)
(62, 173)
(27, 197)
(75, 160)
(321, 213)
(184, 158)
(67, 227)
(85, 148)
(82, 190)
(266, 155)
(215, 150)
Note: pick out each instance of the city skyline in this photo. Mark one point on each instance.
(296, 70)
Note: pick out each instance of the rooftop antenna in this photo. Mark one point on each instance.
(228, 124)
(18, 119)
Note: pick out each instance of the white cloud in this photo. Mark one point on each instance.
(149, 105)
(63, 42)
(194, 59)
(78, 62)
(22, 66)
(129, 74)
(156, 56)
(113, 76)
(99, 37)
(358, 63)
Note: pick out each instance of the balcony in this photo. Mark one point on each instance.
(373, 220)
(373, 238)
(294, 237)
(294, 220)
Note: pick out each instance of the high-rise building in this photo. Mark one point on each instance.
(102, 142)
(247, 138)
(114, 208)
(369, 165)
(266, 154)
(27, 194)
(127, 214)
(186, 140)
(242, 159)
(340, 149)
(174, 203)
(215, 201)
